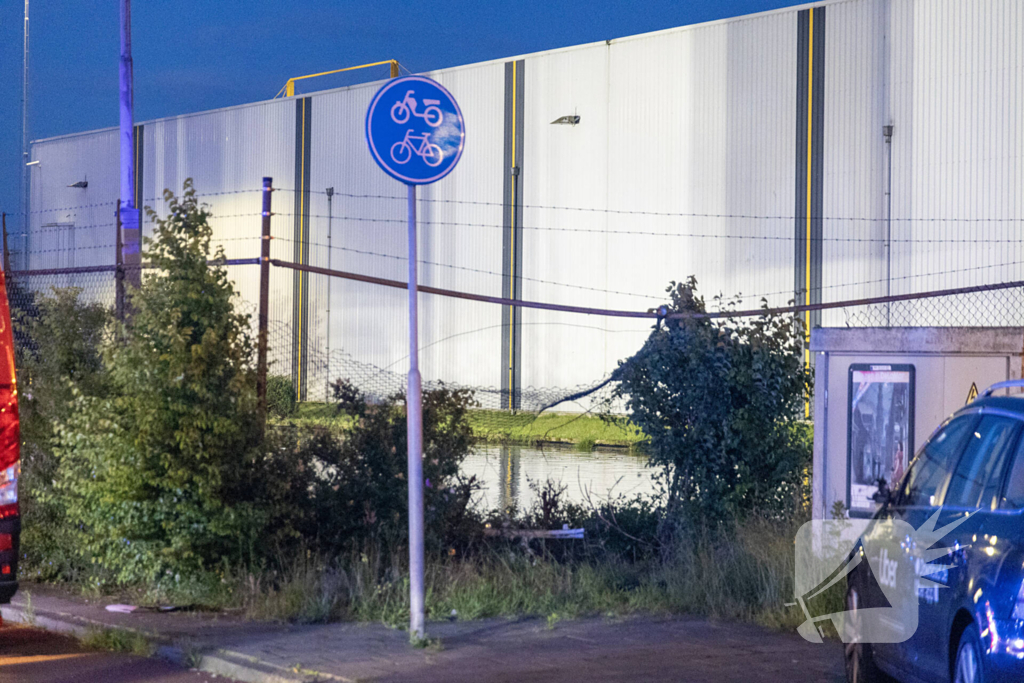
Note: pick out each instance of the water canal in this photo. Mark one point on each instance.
(506, 473)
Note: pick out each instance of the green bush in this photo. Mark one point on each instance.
(280, 396)
(720, 401)
(155, 475)
(58, 346)
(360, 494)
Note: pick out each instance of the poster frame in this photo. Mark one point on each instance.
(911, 401)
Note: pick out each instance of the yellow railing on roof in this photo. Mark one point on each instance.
(289, 88)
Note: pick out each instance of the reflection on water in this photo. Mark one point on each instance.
(505, 473)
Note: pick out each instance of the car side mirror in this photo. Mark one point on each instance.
(884, 494)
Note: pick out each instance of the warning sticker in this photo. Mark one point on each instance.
(972, 394)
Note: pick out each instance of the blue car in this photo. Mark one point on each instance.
(971, 614)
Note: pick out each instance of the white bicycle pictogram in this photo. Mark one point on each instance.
(401, 110)
(402, 151)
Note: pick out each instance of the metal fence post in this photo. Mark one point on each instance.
(261, 354)
(330, 213)
(119, 269)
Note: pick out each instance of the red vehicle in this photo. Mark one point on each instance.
(10, 454)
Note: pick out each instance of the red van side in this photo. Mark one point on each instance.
(10, 454)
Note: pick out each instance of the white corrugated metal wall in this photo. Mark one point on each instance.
(249, 145)
(960, 157)
(856, 107)
(696, 121)
(685, 162)
(71, 227)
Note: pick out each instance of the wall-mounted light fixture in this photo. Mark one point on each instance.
(81, 183)
(32, 163)
(571, 119)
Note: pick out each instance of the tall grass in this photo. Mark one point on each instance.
(741, 573)
(117, 640)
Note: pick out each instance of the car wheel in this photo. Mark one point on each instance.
(968, 667)
(860, 661)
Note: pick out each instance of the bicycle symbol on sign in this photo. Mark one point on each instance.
(401, 110)
(402, 151)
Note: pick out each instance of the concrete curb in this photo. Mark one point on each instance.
(216, 661)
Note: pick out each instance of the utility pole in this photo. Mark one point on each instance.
(24, 147)
(130, 224)
(127, 113)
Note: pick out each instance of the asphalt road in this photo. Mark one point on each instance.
(29, 655)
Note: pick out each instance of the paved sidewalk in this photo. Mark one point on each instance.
(647, 648)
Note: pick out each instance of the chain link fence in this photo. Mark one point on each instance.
(321, 329)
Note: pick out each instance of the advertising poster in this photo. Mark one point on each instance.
(880, 430)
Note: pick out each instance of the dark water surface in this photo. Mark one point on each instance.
(507, 472)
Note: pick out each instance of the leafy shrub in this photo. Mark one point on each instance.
(280, 395)
(155, 475)
(58, 347)
(719, 400)
(360, 494)
(627, 528)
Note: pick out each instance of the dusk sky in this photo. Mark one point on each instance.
(193, 56)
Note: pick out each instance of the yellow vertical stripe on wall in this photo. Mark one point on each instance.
(512, 239)
(807, 263)
(302, 239)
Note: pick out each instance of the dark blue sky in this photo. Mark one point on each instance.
(196, 55)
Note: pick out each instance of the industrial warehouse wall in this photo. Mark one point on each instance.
(949, 76)
(747, 152)
(682, 134)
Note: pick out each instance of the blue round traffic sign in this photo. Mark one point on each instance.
(415, 130)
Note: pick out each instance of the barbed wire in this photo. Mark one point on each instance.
(915, 276)
(636, 212)
(244, 238)
(659, 296)
(649, 233)
(739, 296)
(60, 228)
(474, 270)
(200, 195)
(680, 214)
(729, 313)
(71, 208)
(112, 247)
(211, 215)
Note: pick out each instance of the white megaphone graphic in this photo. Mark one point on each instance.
(899, 558)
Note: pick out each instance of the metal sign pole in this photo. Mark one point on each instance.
(414, 423)
(407, 140)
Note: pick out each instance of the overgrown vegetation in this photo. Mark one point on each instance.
(162, 473)
(721, 402)
(59, 338)
(280, 396)
(118, 640)
(146, 472)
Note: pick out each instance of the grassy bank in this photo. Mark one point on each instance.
(746, 575)
(527, 428)
(498, 426)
